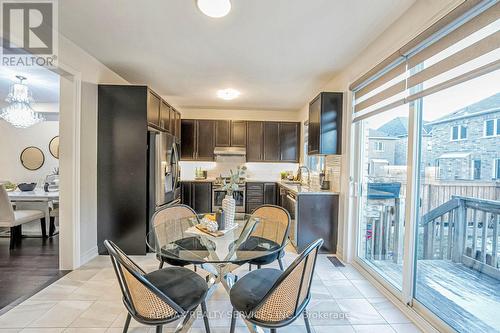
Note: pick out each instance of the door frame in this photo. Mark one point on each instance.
(69, 216)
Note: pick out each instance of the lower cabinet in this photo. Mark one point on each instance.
(197, 195)
(258, 194)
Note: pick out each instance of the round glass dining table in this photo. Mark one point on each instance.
(181, 241)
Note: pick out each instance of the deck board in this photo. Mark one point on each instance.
(466, 299)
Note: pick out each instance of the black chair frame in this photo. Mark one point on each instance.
(114, 251)
(281, 253)
(299, 308)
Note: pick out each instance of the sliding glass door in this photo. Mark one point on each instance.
(428, 172)
(383, 192)
(457, 271)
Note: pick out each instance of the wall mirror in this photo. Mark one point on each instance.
(32, 158)
(54, 147)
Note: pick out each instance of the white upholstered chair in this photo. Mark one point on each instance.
(14, 219)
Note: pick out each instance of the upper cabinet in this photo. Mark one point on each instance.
(197, 139)
(162, 116)
(255, 141)
(223, 133)
(154, 103)
(289, 142)
(273, 141)
(205, 137)
(165, 116)
(325, 124)
(238, 133)
(265, 141)
(230, 133)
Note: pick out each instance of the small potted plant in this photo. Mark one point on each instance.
(231, 185)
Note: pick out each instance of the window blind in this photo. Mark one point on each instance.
(463, 45)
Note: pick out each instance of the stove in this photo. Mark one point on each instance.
(218, 194)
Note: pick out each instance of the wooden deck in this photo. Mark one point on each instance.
(466, 299)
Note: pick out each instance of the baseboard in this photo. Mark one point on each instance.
(88, 255)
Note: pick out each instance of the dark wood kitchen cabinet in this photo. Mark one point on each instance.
(165, 116)
(238, 133)
(197, 140)
(205, 138)
(230, 133)
(325, 124)
(153, 106)
(125, 114)
(258, 194)
(197, 195)
(255, 141)
(222, 133)
(271, 142)
(289, 142)
(188, 139)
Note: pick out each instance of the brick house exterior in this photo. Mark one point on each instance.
(471, 156)
(463, 145)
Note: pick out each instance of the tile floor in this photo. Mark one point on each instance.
(89, 300)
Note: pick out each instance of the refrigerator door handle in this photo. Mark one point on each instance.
(160, 173)
(175, 171)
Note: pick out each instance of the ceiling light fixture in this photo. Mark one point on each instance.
(214, 8)
(228, 94)
(19, 112)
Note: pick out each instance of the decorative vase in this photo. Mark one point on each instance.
(229, 207)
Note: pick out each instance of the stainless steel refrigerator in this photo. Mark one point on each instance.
(163, 172)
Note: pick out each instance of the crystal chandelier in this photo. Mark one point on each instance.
(19, 112)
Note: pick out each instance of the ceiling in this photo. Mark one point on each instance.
(44, 84)
(276, 52)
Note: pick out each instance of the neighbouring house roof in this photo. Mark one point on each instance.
(398, 127)
(376, 134)
(454, 155)
(487, 105)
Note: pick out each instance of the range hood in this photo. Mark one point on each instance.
(230, 151)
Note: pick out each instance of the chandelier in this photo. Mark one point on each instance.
(19, 112)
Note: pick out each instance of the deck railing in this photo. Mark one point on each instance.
(464, 230)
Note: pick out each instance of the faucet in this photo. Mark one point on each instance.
(308, 174)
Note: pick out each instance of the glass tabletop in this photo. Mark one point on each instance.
(250, 238)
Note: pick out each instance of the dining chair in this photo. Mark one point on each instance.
(271, 298)
(276, 231)
(175, 214)
(160, 297)
(14, 219)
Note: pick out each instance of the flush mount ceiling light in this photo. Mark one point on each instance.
(19, 112)
(228, 94)
(214, 8)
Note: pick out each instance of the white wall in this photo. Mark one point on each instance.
(240, 114)
(417, 18)
(92, 73)
(14, 140)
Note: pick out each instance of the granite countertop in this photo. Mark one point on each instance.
(295, 188)
(206, 180)
(304, 189)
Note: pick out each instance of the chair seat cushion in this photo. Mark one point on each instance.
(248, 292)
(255, 243)
(181, 285)
(25, 216)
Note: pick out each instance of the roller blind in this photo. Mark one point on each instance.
(463, 45)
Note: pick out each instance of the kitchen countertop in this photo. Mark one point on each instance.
(304, 189)
(295, 188)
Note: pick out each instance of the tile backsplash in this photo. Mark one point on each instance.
(258, 171)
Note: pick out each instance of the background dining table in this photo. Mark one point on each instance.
(46, 200)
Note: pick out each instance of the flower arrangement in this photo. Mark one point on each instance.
(232, 185)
